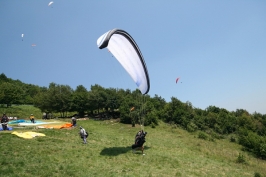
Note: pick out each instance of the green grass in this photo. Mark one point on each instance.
(169, 152)
(21, 111)
(24, 111)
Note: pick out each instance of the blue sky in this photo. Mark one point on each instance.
(217, 48)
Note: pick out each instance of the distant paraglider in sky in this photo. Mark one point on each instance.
(33, 45)
(22, 35)
(123, 47)
(50, 3)
(177, 79)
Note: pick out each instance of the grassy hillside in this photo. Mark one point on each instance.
(20, 111)
(23, 111)
(168, 152)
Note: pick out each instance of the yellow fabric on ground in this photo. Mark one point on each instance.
(27, 135)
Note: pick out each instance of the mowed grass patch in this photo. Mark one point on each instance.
(168, 152)
(21, 111)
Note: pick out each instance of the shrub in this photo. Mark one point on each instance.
(153, 125)
(216, 135)
(257, 174)
(233, 139)
(241, 158)
(262, 150)
(173, 125)
(203, 136)
(191, 127)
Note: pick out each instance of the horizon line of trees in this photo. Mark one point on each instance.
(249, 130)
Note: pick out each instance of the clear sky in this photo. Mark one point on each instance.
(217, 48)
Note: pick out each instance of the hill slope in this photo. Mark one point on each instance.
(169, 152)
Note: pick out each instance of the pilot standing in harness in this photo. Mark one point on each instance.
(4, 121)
(83, 134)
(139, 141)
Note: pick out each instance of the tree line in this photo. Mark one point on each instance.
(130, 107)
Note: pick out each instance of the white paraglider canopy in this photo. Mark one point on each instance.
(125, 50)
(50, 3)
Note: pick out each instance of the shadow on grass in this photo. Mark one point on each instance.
(115, 151)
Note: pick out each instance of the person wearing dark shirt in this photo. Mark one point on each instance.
(4, 121)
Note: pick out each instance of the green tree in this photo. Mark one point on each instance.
(57, 98)
(29, 92)
(125, 116)
(213, 109)
(174, 112)
(80, 100)
(64, 98)
(3, 78)
(97, 98)
(41, 101)
(9, 93)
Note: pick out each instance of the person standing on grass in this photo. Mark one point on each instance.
(74, 121)
(83, 134)
(4, 121)
(32, 118)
